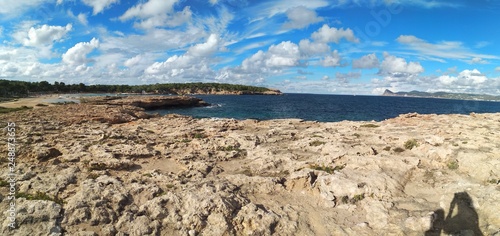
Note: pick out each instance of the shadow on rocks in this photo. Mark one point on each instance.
(464, 222)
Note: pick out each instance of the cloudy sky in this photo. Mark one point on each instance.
(313, 46)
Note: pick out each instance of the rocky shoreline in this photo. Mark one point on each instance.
(147, 102)
(86, 169)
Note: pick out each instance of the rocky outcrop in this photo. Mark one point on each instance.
(148, 102)
(82, 173)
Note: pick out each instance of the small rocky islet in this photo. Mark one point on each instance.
(106, 167)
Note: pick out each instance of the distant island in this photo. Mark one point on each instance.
(11, 88)
(445, 95)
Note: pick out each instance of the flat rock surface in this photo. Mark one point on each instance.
(147, 102)
(114, 170)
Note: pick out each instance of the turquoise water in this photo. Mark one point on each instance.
(327, 107)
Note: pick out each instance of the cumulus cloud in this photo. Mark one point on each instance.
(333, 35)
(46, 35)
(99, 5)
(300, 17)
(132, 61)
(369, 61)
(157, 13)
(332, 60)
(205, 49)
(194, 64)
(77, 55)
(309, 48)
(392, 65)
(283, 54)
(471, 77)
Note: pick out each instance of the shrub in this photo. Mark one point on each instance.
(39, 196)
(316, 143)
(453, 165)
(41, 105)
(398, 150)
(327, 169)
(410, 144)
(369, 126)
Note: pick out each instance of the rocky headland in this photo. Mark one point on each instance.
(87, 169)
(147, 102)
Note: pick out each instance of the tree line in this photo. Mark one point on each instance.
(12, 88)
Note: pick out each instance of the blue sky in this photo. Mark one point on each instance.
(313, 46)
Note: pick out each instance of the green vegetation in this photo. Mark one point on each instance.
(369, 126)
(398, 150)
(353, 200)
(98, 166)
(229, 148)
(316, 143)
(93, 176)
(7, 110)
(410, 144)
(3, 183)
(388, 148)
(10, 88)
(453, 165)
(494, 181)
(39, 196)
(327, 169)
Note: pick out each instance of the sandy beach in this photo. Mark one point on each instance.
(33, 101)
(121, 171)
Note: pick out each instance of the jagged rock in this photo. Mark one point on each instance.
(35, 217)
(120, 172)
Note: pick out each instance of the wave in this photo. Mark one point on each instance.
(214, 105)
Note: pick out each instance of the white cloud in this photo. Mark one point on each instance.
(447, 80)
(395, 65)
(157, 13)
(444, 49)
(206, 49)
(331, 61)
(283, 54)
(300, 17)
(14, 8)
(214, 2)
(478, 60)
(83, 18)
(194, 64)
(99, 5)
(77, 55)
(328, 35)
(497, 69)
(309, 48)
(166, 20)
(268, 9)
(369, 61)
(132, 61)
(46, 35)
(467, 80)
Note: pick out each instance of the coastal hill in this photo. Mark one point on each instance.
(10, 88)
(458, 96)
(85, 169)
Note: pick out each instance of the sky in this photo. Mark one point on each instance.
(358, 47)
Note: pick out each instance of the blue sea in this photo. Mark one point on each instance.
(327, 108)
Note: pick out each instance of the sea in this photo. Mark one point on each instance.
(327, 108)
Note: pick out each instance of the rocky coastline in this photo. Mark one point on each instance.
(147, 102)
(112, 169)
